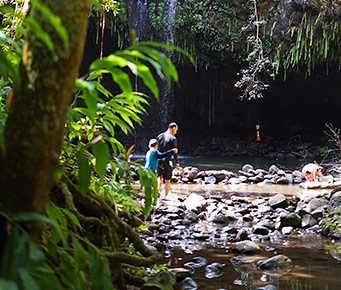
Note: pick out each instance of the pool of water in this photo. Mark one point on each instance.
(314, 266)
(230, 163)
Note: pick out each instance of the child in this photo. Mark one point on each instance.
(153, 155)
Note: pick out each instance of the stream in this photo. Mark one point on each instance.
(311, 253)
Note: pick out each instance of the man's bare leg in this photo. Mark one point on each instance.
(167, 186)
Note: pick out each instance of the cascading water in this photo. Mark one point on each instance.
(160, 114)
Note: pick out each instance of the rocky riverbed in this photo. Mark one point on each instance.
(240, 223)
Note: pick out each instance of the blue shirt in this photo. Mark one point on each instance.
(153, 156)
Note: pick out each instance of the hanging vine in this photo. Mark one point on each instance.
(251, 83)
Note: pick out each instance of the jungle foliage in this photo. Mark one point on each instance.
(89, 239)
(264, 38)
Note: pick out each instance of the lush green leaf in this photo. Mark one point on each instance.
(102, 154)
(84, 172)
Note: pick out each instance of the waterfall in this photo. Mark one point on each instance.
(160, 114)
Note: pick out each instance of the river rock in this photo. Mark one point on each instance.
(273, 169)
(283, 180)
(210, 180)
(214, 270)
(242, 235)
(315, 203)
(196, 262)
(267, 287)
(247, 168)
(235, 180)
(291, 220)
(246, 247)
(301, 208)
(287, 230)
(260, 230)
(219, 175)
(275, 264)
(194, 201)
(191, 173)
(180, 273)
(335, 201)
(308, 221)
(267, 223)
(278, 201)
(221, 219)
(188, 284)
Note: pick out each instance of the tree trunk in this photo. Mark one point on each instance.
(35, 125)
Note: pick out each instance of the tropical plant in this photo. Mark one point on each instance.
(86, 235)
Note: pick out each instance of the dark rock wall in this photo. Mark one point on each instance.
(297, 106)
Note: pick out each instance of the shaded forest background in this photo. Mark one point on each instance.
(206, 103)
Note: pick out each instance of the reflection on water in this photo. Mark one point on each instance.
(244, 189)
(231, 163)
(236, 163)
(314, 267)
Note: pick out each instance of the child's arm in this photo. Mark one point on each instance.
(160, 155)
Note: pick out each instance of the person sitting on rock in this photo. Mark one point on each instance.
(311, 171)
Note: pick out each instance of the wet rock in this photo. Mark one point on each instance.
(267, 287)
(247, 168)
(180, 273)
(275, 264)
(229, 230)
(214, 270)
(260, 230)
(247, 218)
(191, 216)
(210, 180)
(246, 247)
(314, 204)
(317, 213)
(335, 201)
(219, 175)
(283, 180)
(221, 219)
(301, 208)
(188, 284)
(242, 235)
(280, 173)
(287, 230)
(262, 209)
(235, 180)
(201, 236)
(267, 223)
(245, 174)
(196, 262)
(291, 219)
(273, 169)
(278, 201)
(256, 179)
(308, 221)
(194, 202)
(191, 173)
(169, 209)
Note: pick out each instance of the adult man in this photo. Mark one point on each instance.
(167, 141)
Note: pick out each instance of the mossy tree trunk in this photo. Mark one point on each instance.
(35, 125)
